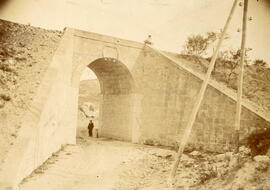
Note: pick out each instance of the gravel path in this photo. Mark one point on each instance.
(89, 165)
(103, 164)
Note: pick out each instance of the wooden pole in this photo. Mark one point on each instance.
(200, 96)
(240, 79)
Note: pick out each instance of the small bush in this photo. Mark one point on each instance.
(190, 148)
(5, 97)
(148, 142)
(259, 142)
(6, 68)
(207, 174)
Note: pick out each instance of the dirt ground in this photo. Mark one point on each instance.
(105, 164)
(102, 164)
(94, 165)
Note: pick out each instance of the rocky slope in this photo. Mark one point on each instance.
(197, 171)
(89, 98)
(89, 91)
(25, 53)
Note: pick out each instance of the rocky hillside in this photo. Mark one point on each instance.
(89, 98)
(25, 53)
(89, 91)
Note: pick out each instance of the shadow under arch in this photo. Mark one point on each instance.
(118, 102)
(114, 76)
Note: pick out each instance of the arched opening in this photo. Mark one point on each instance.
(112, 110)
(88, 101)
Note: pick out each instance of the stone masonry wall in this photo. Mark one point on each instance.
(168, 97)
(119, 103)
(117, 116)
(49, 123)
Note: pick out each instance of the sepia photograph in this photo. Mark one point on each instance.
(134, 94)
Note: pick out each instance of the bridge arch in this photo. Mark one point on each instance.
(114, 76)
(118, 101)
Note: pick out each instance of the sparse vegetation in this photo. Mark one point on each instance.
(6, 68)
(256, 73)
(196, 45)
(259, 142)
(206, 173)
(5, 97)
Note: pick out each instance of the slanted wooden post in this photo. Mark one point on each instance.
(200, 96)
(240, 79)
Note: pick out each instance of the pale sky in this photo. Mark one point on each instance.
(88, 74)
(169, 21)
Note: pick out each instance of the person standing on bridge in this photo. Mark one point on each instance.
(148, 41)
(90, 128)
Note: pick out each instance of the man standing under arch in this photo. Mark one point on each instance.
(90, 128)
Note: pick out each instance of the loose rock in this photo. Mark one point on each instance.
(261, 158)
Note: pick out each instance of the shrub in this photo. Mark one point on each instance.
(6, 68)
(259, 141)
(5, 97)
(148, 142)
(207, 173)
(196, 45)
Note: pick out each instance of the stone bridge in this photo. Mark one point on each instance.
(147, 97)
